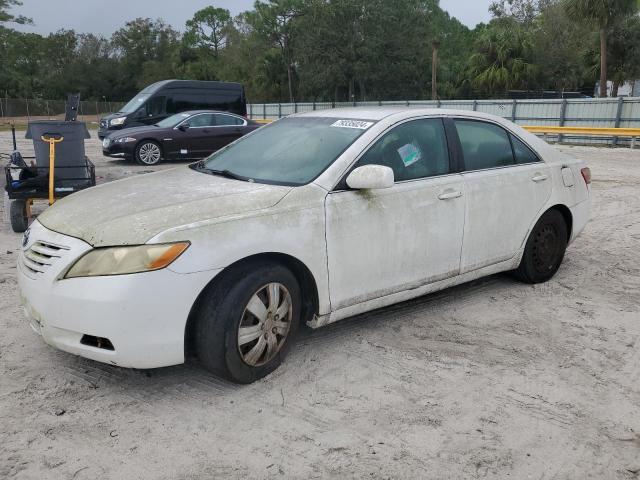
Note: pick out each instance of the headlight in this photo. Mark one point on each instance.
(124, 260)
(124, 140)
(117, 121)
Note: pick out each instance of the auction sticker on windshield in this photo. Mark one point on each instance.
(360, 125)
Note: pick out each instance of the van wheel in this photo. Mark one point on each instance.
(148, 153)
(544, 250)
(247, 322)
(18, 215)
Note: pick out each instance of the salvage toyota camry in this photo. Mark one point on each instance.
(314, 218)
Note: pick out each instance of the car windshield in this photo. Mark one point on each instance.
(291, 151)
(173, 120)
(135, 103)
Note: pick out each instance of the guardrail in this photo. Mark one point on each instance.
(560, 132)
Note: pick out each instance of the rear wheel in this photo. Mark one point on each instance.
(544, 250)
(148, 152)
(19, 217)
(247, 322)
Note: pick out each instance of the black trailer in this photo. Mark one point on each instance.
(60, 168)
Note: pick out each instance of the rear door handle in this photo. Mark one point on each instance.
(539, 177)
(449, 194)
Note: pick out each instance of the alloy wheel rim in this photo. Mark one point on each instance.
(265, 324)
(149, 153)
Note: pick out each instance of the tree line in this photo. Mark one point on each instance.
(336, 50)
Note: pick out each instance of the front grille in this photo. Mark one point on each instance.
(103, 124)
(41, 256)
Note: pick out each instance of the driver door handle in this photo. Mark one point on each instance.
(539, 177)
(450, 194)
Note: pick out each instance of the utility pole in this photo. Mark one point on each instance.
(434, 71)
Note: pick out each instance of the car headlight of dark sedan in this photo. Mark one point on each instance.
(124, 140)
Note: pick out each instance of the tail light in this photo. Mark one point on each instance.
(586, 174)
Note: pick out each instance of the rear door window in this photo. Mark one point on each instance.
(484, 145)
(228, 120)
(186, 101)
(227, 100)
(199, 98)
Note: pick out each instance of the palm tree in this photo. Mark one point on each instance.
(605, 13)
(502, 58)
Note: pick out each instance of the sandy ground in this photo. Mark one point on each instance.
(492, 379)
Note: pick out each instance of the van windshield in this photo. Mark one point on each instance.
(291, 151)
(135, 103)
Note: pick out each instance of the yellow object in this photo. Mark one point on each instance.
(609, 132)
(169, 256)
(52, 164)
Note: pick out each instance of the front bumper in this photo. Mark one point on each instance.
(118, 150)
(143, 315)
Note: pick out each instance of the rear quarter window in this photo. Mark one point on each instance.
(522, 153)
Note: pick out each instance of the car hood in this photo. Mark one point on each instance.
(133, 210)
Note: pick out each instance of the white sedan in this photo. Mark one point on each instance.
(314, 218)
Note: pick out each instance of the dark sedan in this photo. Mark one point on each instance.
(184, 136)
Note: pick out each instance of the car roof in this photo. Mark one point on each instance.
(380, 113)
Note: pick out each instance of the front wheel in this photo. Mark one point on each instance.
(247, 322)
(544, 250)
(148, 153)
(18, 213)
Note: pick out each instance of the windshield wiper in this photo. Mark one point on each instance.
(200, 166)
(225, 173)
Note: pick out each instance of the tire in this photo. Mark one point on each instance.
(224, 310)
(544, 250)
(18, 215)
(148, 152)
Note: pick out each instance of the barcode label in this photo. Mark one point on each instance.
(360, 125)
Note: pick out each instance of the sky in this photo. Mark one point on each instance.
(103, 17)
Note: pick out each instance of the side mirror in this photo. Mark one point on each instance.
(184, 127)
(370, 177)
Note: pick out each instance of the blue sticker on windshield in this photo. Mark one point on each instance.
(409, 154)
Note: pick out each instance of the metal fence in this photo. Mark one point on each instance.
(21, 108)
(621, 112)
